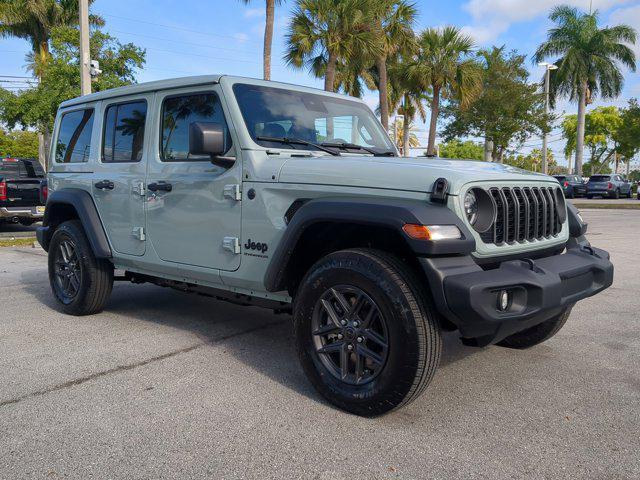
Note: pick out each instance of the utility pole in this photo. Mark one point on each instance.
(85, 55)
(547, 75)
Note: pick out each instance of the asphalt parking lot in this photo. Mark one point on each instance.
(165, 385)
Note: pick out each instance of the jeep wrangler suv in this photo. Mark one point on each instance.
(295, 199)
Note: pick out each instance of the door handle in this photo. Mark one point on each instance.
(104, 185)
(164, 186)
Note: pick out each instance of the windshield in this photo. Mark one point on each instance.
(599, 178)
(271, 114)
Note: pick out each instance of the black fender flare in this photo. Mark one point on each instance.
(383, 212)
(87, 212)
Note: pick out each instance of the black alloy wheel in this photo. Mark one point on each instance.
(68, 271)
(350, 334)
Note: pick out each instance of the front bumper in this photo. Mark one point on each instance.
(34, 213)
(540, 289)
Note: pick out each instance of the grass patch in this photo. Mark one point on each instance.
(17, 242)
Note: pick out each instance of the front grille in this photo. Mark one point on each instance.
(523, 214)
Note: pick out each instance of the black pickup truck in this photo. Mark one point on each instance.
(21, 191)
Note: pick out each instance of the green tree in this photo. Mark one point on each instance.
(36, 107)
(588, 59)
(333, 32)
(533, 161)
(446, 67)
(600, 135)
(508, 110)
(18, 143)
(270, 6)
(35, 20)
(394, 26)
(628, 134)
(467, 150)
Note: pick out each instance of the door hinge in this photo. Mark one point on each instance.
(139, 189)
(138, 232)
(232, 244)
(233, 192)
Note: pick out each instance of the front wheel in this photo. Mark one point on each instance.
(538, 333)
(80, 282)
(367, 337)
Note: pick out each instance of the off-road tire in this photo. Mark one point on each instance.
(414, 338)
(538, 333)
(95, 275)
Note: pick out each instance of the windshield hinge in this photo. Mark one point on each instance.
(232, 244)
(138, 232)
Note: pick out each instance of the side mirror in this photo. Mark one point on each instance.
(209, 138)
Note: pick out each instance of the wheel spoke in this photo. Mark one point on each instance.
(366, 321)
(341, 300)
(330, 348)
(73, 279)
(344, 361)
(331, 312)
(359, 367)
(63, 252)
(360, 302)
(326, 329)
(375, 337)
(362, 350)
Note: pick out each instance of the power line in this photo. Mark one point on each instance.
(177, 28)
(184, 43)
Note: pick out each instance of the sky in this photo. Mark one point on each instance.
(194, 37)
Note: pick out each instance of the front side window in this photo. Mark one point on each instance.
(74, 137)
(278, 113)
(124, 132)
(178, 113)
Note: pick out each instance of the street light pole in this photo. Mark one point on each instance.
(85, 55)
(547, 75)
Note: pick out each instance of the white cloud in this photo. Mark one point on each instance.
(493, 17)
(254, 12)
(241, 37)
(629, 16)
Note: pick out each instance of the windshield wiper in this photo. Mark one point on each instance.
(298, 141)
(354, 146)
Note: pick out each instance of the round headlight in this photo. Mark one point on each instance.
(479, 209)
(471, 207)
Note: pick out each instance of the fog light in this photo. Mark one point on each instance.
(503, 300)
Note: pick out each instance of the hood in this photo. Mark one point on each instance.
(415, 174)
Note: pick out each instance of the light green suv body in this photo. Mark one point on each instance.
(248, 222)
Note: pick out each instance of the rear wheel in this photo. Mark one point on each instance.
(367, 338)
(538, 333)
(616, 194)
(80, 282)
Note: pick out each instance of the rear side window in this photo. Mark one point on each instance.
(124, 132)
(9, 168)
(74, 137)
(178, 113)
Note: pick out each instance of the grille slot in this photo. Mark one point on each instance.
(523, 214)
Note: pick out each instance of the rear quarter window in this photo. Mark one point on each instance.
(73, 144)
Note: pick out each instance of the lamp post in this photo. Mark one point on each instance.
(548, 67)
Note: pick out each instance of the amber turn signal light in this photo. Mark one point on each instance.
(432, 232)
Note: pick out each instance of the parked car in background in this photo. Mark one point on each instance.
(572, 185)
(612, 186)
(20, 191)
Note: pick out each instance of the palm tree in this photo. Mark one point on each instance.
(268, 35)
(34, 20)
(445, 65)
(407, 97)
(394, 24)
(406, 136)
(339, 30)
(588, 61)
